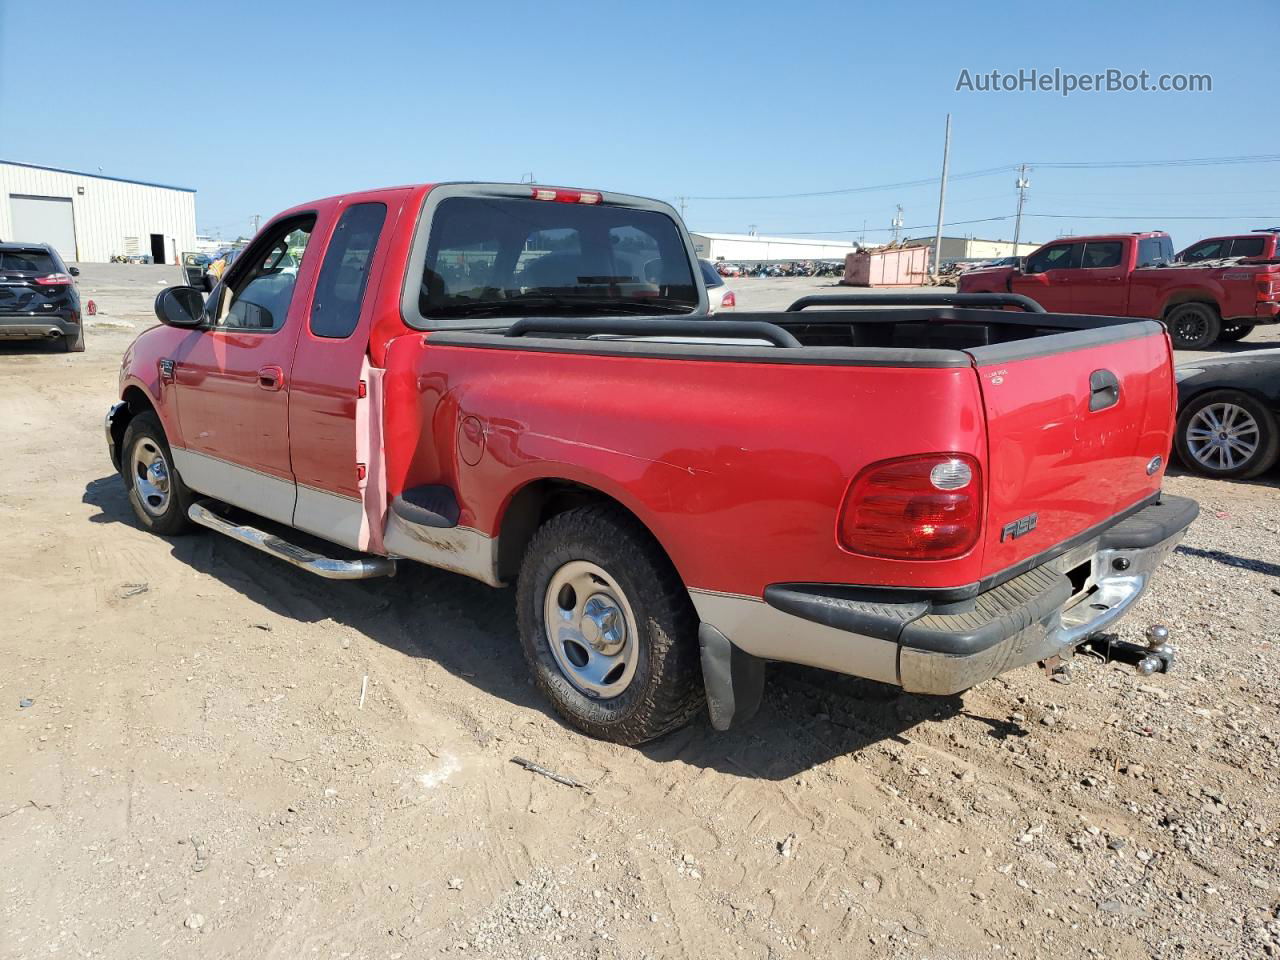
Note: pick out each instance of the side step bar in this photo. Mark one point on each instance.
(326, 567)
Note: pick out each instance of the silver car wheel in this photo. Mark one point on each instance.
(591, 629)
(150, 472)
(1223, 436)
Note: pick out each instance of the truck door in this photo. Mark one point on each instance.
(231, 378)
(1099, 286)
(1048, 276)
(335, 399)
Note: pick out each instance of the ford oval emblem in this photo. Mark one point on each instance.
(1154, 465)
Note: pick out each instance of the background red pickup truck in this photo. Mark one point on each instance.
(520, 384)
(1135, 275)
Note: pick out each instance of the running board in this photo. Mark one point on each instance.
(326, 567)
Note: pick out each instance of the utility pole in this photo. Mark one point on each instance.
(255, 220)
(682, 203)
(862, 237)
(751, 229)
(1023, 183)
(942, 200)
(897, 223)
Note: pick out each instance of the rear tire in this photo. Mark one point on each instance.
(633, 672)
(73, 344)
(1253, 442)
(156, 492)
(1235, 332)
(1193, 326)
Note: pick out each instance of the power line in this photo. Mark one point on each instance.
(1048, 216)
(1192, 162)
(991, 171)
(928, 181)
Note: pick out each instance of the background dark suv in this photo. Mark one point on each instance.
(38, 296)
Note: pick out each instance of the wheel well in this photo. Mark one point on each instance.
(137, 402)
(535, 504)
(1190, 296)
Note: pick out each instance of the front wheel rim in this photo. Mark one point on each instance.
(591, 629)
(1223, 436)
(151, 476)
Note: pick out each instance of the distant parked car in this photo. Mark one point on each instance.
(719, 296)
(38, 296)
(1227, 414)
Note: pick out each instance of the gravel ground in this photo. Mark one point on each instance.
(186, 768)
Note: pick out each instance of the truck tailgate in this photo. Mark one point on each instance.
(1074, 424)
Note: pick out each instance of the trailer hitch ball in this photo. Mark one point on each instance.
(1149, 665)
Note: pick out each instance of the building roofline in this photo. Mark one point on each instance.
(96, 176)
(751, 236)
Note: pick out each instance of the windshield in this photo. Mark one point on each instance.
(497, 255)
(39, 262)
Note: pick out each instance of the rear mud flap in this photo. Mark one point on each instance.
(733, 678)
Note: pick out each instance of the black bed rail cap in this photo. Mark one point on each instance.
(917, 300)
(654, 327)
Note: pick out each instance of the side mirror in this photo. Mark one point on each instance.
(74, 271)
(179, 306)
(1021, 265)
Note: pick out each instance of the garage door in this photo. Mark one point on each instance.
(44, 220)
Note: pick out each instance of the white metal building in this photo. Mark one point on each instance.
(973, 248)
(90, 218)
(749, 248)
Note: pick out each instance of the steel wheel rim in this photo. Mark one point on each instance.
(1223, 436)
(591, 629)
(150, 472)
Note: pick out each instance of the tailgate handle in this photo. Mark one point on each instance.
(1104, 390)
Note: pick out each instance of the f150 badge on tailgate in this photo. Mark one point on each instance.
(1019, 528)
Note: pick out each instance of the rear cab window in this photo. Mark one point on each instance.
(1100, 254)
(507, 256)
(344, 274)
(1248, 246)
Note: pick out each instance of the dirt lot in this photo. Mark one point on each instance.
(194, 775)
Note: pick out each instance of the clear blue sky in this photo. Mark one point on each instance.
(265, 104)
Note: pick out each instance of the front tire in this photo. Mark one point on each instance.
(607, 627)
(1227, 434)
(156, 492)
(1193, 326)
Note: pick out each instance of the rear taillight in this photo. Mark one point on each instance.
(559, 195)
(729, 301)
(914, 508)
(54, 279)
(1268, 288)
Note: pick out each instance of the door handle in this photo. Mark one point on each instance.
(1104, 390)
(271, 378)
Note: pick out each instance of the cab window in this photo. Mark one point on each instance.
(1099, 255)
(259, 288)
(1248, 246)
(344, 274)
(1060, 256)
(1206, 250)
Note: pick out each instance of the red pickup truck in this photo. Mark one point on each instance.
(1135, 275)
(521, 384)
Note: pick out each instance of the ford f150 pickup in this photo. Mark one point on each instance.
(1134, 275)
(521, 384)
